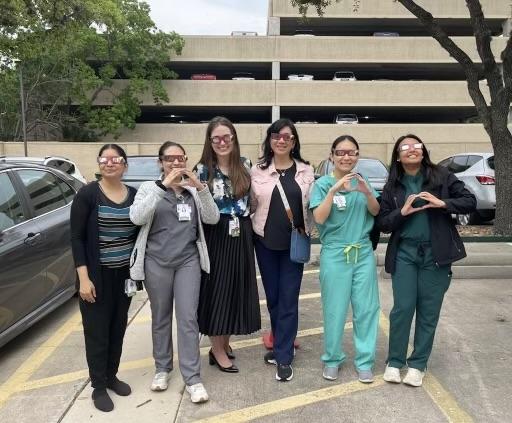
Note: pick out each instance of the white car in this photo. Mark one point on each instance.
(63, 164)
(300, 77)
(243, 76)
(344, 76)
(346, 119)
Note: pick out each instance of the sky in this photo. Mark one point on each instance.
(210, 17)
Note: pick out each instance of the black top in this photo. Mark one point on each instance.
(85, 233)
(278, 228)
(447, 245)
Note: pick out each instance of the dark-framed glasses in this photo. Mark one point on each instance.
(274, 136)
(407, 147)
(112, 159)
(342, 153)
(170, 158)
(217, 139)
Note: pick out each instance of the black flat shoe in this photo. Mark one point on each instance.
(213, 361)
(102, 400)
(119, 387)
(230, 354)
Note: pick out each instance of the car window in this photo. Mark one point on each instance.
(62, 165)
(141, 166)
(372, 169)
(459, 164)
(445, 162)
(490, 162)
(67, 191)
(473, 159)
(43, 189)
(11, 212)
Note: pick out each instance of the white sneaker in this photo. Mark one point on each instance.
(392, 374)
(160, 381)
(197, 393)
(414, 377)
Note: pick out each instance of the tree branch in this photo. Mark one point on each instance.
(506, 58)
(458, 54)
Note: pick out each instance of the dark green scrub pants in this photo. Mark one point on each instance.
(419, 286)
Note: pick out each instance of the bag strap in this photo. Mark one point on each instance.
(285, 202)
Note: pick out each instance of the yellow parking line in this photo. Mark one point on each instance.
(441, 397)
(148, 362)
(289, 403)
(36, 359)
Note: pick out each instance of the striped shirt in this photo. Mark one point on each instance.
(116, 235)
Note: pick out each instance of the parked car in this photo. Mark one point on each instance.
(309, 122)
(141, 169)
(304, 33)
(386, 34)
(243, 76)
(203, 77)
(346, 119)
(62, 163)
(344, 76)
(376, 172)
(476, 170)
(244, 33)
(300, 77)
(37, 272)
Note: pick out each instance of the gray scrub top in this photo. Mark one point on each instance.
(171, 242)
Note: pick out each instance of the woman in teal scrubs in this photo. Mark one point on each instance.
(344, 206)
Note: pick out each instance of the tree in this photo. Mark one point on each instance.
(494, 115)
(70, 51)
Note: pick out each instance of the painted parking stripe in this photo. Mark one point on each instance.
(290, 403)
(36, 359)
(440, 396)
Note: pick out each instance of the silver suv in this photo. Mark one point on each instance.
(476, 170)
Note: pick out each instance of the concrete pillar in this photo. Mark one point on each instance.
(507, 27)
(273, 26)
(276, 71)
(276, 113)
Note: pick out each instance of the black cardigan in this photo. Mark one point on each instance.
(85, 234)
(447, 245)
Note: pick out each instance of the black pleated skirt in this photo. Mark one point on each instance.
(229, 303)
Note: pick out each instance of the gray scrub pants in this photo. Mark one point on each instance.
(183, 284)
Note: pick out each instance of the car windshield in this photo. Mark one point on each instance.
(372, 169)
(142, 166)
(490, 162)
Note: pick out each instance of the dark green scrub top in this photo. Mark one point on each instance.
(416, 228)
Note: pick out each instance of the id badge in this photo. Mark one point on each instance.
(130, 287)
(340, 201)
(234, 227)
(184, 212)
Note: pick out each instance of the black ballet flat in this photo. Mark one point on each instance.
(213, 361)
(230, 354)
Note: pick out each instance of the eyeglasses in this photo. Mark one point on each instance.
(342, 153)
(218, 138)
(285, 137)
(406, 147)
(112, 159)
(181, 158)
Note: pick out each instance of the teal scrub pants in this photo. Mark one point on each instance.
(419, 286)
(348, 274)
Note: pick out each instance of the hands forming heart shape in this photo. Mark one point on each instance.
(346, 183)
(431, 199)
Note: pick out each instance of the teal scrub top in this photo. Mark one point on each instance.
(347, 226)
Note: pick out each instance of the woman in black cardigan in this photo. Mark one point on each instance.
(102, 238)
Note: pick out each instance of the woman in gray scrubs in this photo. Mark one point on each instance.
(168, 256)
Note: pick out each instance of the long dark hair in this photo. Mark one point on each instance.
(396, 170)
(266, 158)
(238, 173)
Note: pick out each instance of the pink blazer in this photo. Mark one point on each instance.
(263, 182)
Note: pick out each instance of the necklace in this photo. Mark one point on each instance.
(281, 172)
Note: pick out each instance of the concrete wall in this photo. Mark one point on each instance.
(392, 9)
(375, 140)
(325, 49)
(310, 93)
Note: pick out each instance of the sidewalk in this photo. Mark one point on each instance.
(137, 365)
